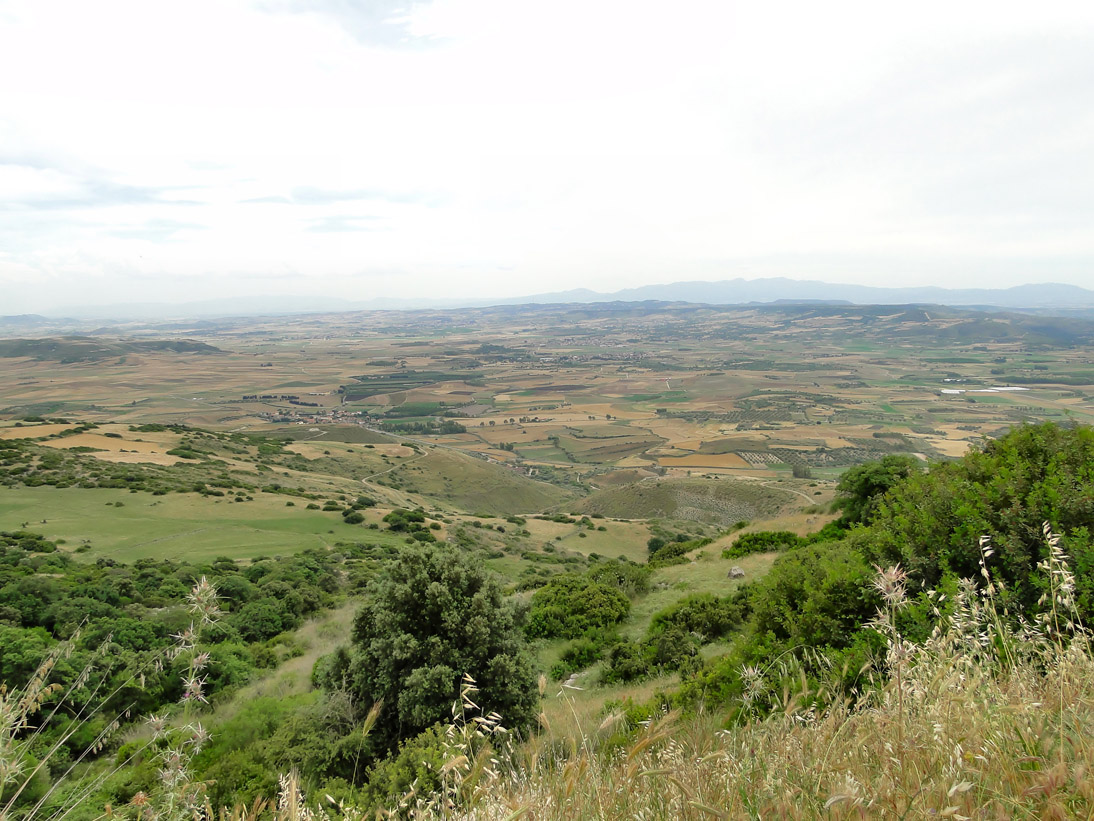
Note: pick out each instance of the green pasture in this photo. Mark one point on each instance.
(544, 453)
(627, 539)
(708, 574)
(176, 526)
(474, 485)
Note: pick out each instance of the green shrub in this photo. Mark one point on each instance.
(570, 604)
(702, 614)
(581, 653)
(675, 552)
(627, 662)
(631, 578)
(762, 541)
(431, 617)
(931, 523)
(417, 765)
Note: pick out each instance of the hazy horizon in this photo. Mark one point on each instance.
(1055, 298)
(482, 148)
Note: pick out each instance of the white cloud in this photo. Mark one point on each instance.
(505, 147)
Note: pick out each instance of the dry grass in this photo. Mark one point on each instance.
(31, 431)
(971, 747)
(983, 720)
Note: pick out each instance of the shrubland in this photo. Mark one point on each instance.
(925, 655)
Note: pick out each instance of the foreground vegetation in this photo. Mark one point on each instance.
(926, 653)
(984, 718)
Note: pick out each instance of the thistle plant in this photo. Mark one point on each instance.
(180, 796)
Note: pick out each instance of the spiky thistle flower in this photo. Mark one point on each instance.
(891, 583)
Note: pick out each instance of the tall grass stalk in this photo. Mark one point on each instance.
(987, 718)
(21, 726)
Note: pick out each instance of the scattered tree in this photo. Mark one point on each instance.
(431, 617)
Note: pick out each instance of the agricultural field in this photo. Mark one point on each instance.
(579, 391)
(696, 415)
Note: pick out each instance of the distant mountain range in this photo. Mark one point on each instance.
(1041, 298)
(743, 291)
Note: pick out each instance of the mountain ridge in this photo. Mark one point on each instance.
(1027, 297)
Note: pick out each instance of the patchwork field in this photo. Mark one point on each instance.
(697, 415)
(568, 393)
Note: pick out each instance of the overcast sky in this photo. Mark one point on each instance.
(173, 151)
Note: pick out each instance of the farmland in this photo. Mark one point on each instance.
(696, 415)
(574, 394)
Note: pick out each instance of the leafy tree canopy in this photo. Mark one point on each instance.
(931, 523)
(861, 487)
(432, 616)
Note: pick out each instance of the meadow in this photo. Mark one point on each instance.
(119, 525)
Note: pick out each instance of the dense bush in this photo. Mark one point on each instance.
(862, 487)
(630, 578)
(582, 652)
(570, 604)
(814, 596)
(821, 596)
(411, 522)
(417, 765)
(931, 523)
(432, 616)
(762, 541)
(675, 552)
(665, 651)
(702, 614)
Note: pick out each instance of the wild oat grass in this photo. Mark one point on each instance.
(988, 718)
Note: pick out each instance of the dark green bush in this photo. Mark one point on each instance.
(570, 604)
(702, 614)
(431, 617)
(762, 541)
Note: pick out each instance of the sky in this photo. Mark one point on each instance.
(168, 152)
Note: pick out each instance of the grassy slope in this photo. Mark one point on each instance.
(473, 485)
(177, 526)
(707, 573)
(722, 502)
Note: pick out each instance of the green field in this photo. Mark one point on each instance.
(176, 526)
(709, 574)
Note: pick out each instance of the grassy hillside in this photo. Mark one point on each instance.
(124, 526)
(721, 502)
(87, 349)
(127, 493)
